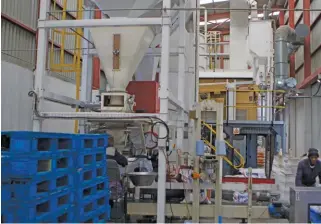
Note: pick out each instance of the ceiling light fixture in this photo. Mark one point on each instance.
(204, 2)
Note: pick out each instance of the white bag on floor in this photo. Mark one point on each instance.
(239, 197)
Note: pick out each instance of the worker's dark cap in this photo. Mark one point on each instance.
(313, 152)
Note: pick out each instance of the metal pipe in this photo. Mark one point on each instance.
(103, 22)
(295, 97)
(41, 60)
(193, 9)
(197, 23)
(285, 41)
(265, 12)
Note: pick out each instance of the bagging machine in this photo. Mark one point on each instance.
(176, 168)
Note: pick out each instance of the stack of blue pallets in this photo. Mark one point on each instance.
(52, 177)
(92, 196)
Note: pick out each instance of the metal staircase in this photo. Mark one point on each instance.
(238, 160)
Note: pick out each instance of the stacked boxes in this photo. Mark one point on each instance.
(50, 177)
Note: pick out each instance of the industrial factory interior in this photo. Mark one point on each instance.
(161, 111)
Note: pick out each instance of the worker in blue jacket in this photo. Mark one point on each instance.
(308, 170)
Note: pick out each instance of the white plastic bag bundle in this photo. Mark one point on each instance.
(240, 197)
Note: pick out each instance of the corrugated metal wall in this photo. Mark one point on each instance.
(25, 11)
(315, 39)
(315, 36)
(17, 45)
(303, 115)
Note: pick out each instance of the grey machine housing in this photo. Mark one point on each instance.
(301, 198)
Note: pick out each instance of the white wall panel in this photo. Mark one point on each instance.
(315, 36)
(316, 4)
(316, 61)
(52, 84)
(16, 105)
(299, 57)
(297, 14)
(316, 118)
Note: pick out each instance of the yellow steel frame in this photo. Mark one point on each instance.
(242, 160)
(63, 34)
(213, 37)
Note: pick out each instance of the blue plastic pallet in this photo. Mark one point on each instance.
(101, 215)
(5, 167)
(100, 157)
(26, 142)
(93, 188)
(39, 209)
(90, 141)
(88, 208)
(90, 157)
(31, 189)
(31, 166)
(102, 201)
(88, 174)
(29, 211)
(5, 191)
(65, 215)
(63, 200)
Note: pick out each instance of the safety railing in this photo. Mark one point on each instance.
(240, 159)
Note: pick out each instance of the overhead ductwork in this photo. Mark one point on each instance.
(287, 41)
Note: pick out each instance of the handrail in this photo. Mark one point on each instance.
(242, 161)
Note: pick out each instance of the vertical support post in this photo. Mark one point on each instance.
(231, 100)
(281, 18)
(250, 193)
(205, 24)
(86, 71)
(41, 61)
(219, 167)
(163, 93)
(291, 4)
(307, 45)
(196, 44)
(196, 182)
(96, 61)
(222, 51)
(181, 75)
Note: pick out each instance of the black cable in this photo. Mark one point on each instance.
(166, 126)
(170, 185)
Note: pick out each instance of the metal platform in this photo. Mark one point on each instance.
(235, 186)
(206, 211)
(255, 127)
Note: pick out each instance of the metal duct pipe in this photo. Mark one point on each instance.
(287, 41)
(265, 12)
